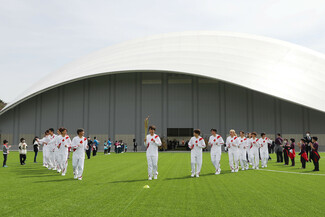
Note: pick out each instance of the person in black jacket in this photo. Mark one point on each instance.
(286, 150)
(308, 140)
(88, 151)
(36, 147)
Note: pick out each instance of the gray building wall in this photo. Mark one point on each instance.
(115, 106)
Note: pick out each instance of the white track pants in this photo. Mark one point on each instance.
(233, 159)
(255, 157)
(196, 159)
(215, 159)
(45, 161)
(242, 158)
(63, 162)
(78, 165)
(51, 159)
(264, 157)
(152, 165)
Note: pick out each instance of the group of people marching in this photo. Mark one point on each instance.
(56, 150)
(242, 150)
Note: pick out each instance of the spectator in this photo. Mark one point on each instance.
(88, 151)
(278, 148)
(109, 144)
(125, 147)
(36, 147)
(115, 147)
(286, 149)
(5, 152)
(135, 146)
(105, 147)
(96, 143)
(308, 140)
(22, 151)
(292, 153)
(314, 153)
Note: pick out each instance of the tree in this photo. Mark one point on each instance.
(2, 104)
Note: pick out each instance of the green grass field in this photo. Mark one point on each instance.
(112, 185)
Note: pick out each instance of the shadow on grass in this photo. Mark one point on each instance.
(129, 181)
(202, 175)
(56, 180)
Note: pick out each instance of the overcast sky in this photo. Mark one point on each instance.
(37, 37)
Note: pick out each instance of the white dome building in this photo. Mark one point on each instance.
(183, 81)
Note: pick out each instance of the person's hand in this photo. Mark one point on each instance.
(145, 140)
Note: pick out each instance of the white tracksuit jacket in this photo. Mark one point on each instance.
(264, 150)
(242, 146)
(64, 144)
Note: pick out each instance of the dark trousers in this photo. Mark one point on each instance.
(135, 149)
(105, 151)
(94, 152)
(36, 152)
(286, 158)
(316, 164)
(279, 157)
(109, 150)
(22, 158)
(303, 162)
(293, 163)
(4, 159)
(88, 152)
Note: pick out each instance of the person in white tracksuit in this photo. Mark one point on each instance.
(51, 149)
(232, 146)
(216, 141)
(78, 145)
(255, 145)
(249, 157)
(44, 142)
(242, 146)
(56, 151)
(152, 141)
(63, 146)
(264, 150)
(196, 144)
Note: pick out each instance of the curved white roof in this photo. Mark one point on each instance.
(270, 66)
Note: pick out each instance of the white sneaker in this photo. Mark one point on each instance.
(157, 173)
(49, 168)
(53, 169)
(217, 173)
(257, 168)
(80, 178)
(253, 168)
(63, 174)
(155, 177)
(247, 167)
(58, 171)
(236, 171)
(150, 178)
(192, 175)
(75, 176)
(219, 170)
(232, 171)
(265, 166)
(262, 166)
(197, 175)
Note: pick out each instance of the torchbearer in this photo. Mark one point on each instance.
(79, 145)
(242, 146)
(152, 141)
(216, 141)
(56, 150)
(63, 146)
(232, 146)
(255, 144)
(264, 149)
(196, 144)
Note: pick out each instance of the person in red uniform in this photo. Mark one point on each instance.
(292, 152)
(303, 154)
(314, 153)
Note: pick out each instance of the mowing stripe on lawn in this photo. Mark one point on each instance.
(278, 171)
